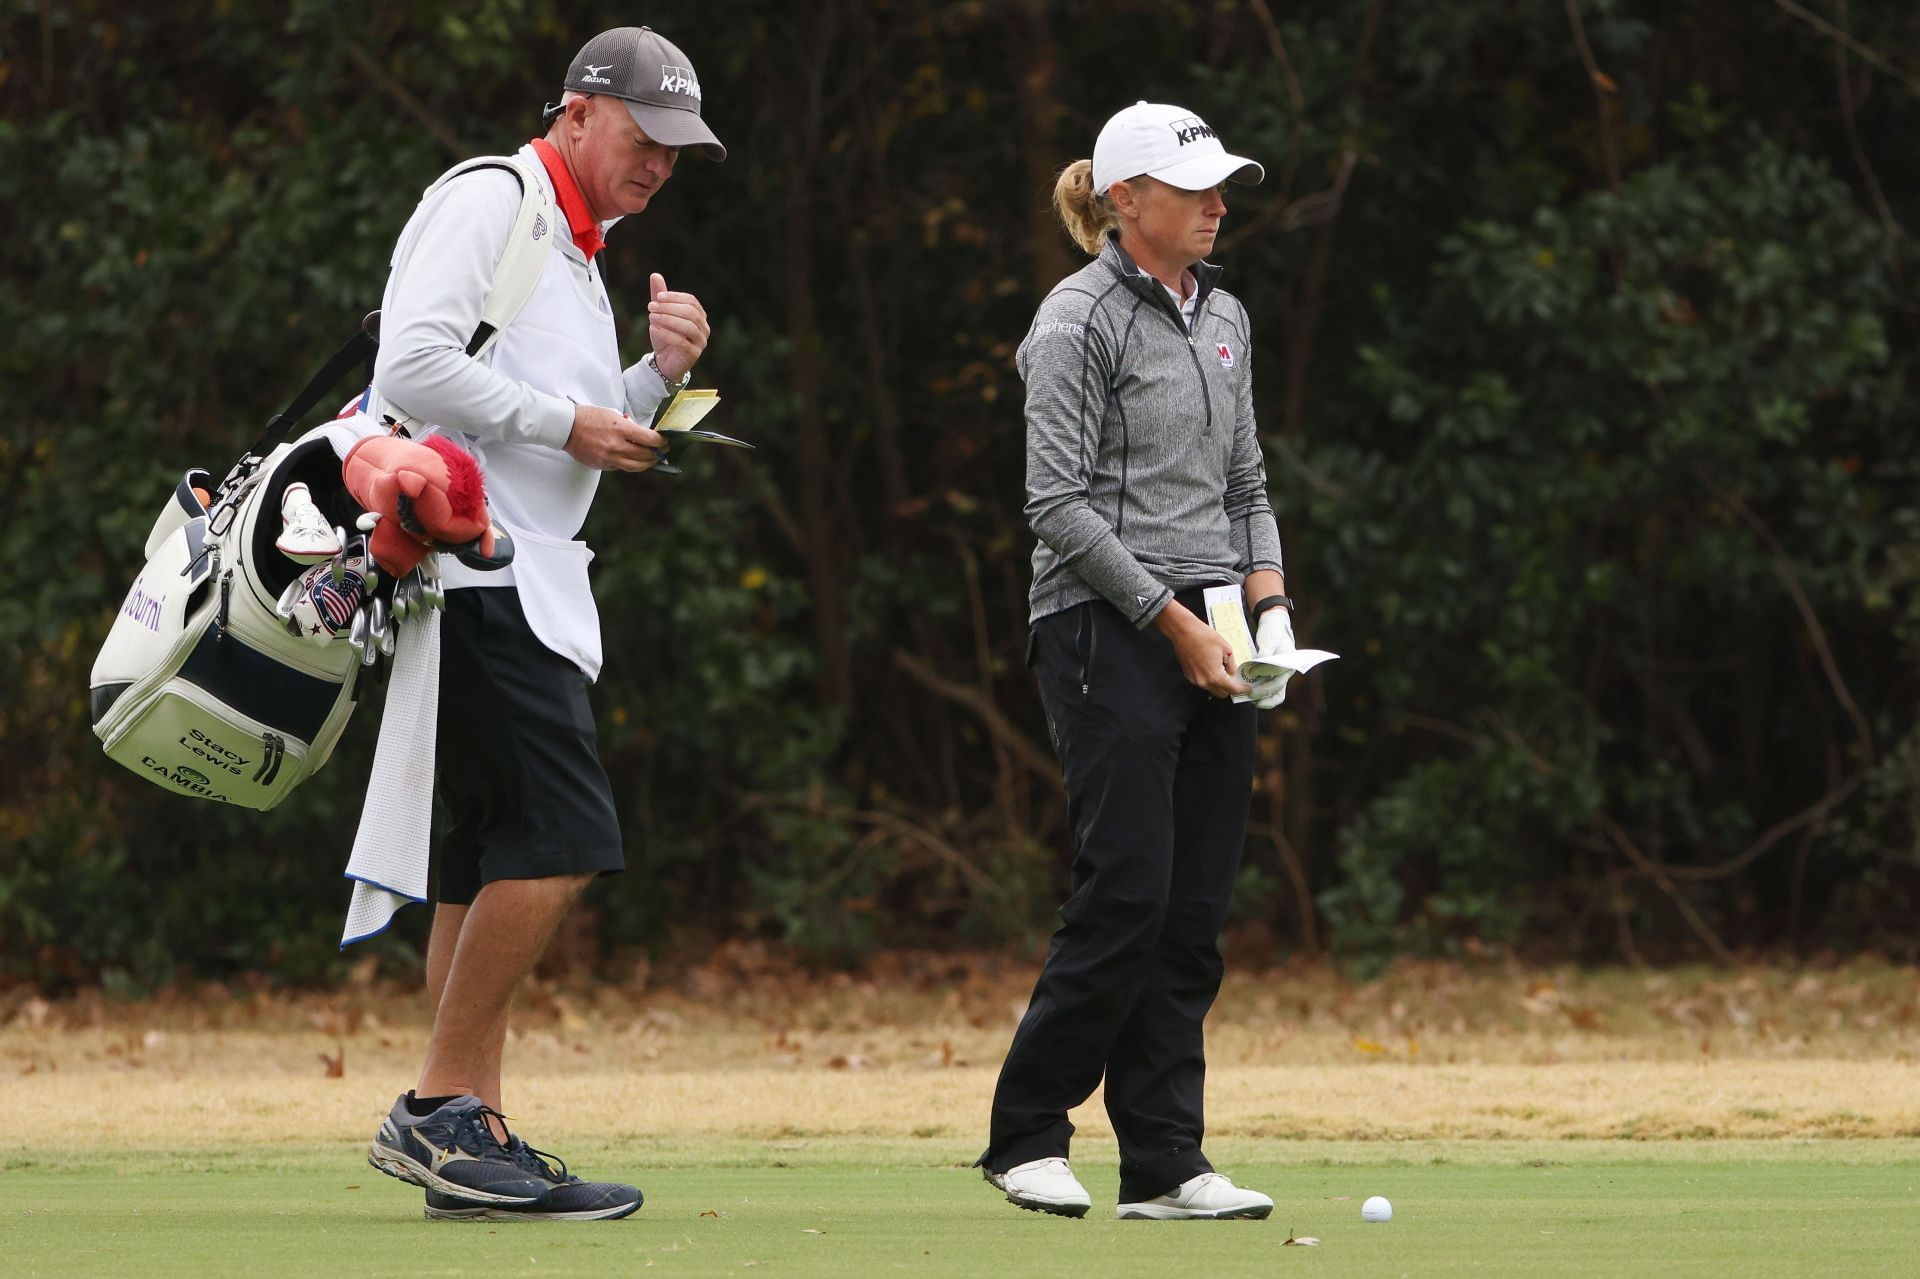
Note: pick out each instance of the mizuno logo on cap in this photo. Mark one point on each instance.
(593, 70)
(1191, 129)
(679, 80)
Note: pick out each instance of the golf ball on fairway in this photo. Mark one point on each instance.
(1376, 1209)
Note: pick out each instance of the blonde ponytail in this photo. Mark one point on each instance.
(1087, 214)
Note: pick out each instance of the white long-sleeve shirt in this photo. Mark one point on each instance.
(513, 407)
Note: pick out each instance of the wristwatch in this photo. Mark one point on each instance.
(1270, 601)
(671, 385)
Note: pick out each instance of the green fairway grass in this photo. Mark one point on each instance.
(1731, 1210)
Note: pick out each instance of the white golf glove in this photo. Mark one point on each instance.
(1276, 632)
(1272, 642)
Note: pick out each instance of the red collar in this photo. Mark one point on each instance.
(586, 232)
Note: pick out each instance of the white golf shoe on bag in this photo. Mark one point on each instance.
(1043, 1185)
(1208, 1197)
(305, 536)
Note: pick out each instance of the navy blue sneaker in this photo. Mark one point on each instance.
(567, 1199)
(453, 1152)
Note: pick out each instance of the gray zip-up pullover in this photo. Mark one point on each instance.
(1144, 470)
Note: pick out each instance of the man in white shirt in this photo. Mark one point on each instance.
(545, 411)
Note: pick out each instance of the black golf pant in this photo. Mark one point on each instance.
(1159, 776)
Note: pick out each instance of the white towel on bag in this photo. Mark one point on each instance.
(389, 862)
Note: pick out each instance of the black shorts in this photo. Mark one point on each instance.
(520, 790)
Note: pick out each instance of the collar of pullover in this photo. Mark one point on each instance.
(1205, 276)
(586, 232)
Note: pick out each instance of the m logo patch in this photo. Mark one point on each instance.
(1191, 129)
(1226, 355)
(679, 80)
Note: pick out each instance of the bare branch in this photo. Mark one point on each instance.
(1868, 54)
(1294, 95)
(1658, 873)
(383, 79)
(996, 723)
(1890, 228)
(1599, 83)
(1617, 834)
(1816, 633)
(1773, 834)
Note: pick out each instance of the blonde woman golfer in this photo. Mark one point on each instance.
(1145, 484)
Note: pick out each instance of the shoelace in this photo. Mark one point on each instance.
(1200, 1185)
(474, 1136)
(539, 1162)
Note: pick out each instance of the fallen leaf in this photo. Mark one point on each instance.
(1304, 1241)
(709, 1212)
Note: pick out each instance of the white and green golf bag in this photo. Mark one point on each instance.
(207, 685)
(202, 686)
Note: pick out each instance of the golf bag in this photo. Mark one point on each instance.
(204, 686)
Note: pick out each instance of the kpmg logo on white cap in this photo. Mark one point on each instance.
(1191, 129)
(679, 80)
(1167, 142)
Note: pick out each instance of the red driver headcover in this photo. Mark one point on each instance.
(427, 493)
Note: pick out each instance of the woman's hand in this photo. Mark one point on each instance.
(1205, 658)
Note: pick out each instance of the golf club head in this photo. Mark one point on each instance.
(468, 553)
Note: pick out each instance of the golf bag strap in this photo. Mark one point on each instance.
(359, 348)
(522, 260)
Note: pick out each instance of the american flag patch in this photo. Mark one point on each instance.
(336, 601)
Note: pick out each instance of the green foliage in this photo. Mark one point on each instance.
(1587, 399)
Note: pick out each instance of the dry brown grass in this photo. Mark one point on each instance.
(744, 1047)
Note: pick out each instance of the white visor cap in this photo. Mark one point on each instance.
(1169, 143)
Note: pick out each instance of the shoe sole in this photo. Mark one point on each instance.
(507, 1214)
(1150, 1212)
(411, 1171)
(1050, 1207)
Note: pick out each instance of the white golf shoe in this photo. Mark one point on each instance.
(305, 535)
(1208, 1197)
(1043, 1185)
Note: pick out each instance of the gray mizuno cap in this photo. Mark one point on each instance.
(655, 79)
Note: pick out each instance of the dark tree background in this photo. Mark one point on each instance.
(1585, 336)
